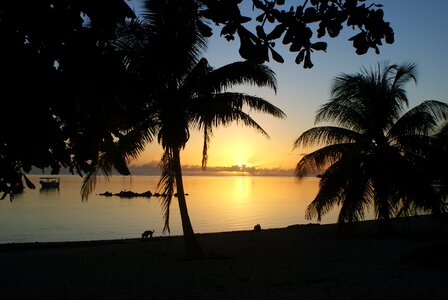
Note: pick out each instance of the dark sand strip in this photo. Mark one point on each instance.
(298, 262)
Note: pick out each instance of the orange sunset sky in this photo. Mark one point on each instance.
(420, 37)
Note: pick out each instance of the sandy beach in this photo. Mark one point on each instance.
(297, 262)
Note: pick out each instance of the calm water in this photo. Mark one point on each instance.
(215, 203)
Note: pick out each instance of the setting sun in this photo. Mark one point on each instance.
(239, 153)
(243, 165)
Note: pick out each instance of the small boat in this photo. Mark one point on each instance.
(49, 182)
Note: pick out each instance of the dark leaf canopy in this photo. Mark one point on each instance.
(55, 58)
(297, 25)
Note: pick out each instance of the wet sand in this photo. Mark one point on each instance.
(297, 262)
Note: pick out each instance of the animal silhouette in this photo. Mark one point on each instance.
(147, 234)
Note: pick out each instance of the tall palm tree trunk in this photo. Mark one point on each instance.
(384, 210)
(193, 248)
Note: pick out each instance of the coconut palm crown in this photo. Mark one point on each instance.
(372, 151)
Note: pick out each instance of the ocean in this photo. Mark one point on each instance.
(215, 204)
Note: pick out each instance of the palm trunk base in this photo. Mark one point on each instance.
(193, 249)
(385, 226)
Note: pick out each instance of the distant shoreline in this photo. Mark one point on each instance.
(190, 171)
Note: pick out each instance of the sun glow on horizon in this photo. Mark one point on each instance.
(243, 165)
(239, 153)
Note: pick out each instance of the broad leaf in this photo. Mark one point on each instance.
(276, 56)
(320, 46)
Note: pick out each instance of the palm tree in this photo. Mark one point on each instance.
(374, 153)
(178, 91)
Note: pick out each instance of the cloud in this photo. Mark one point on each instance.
(153, 169)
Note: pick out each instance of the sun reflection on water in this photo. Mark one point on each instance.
(242, 188)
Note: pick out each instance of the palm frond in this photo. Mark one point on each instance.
(414, 147)
(260, 105)
(417, 191)
(208, 132)
(104, 166)
(131, 40)
(403, 74)
(335, 181)
(166, 186)
(321, 159)
(347, 86)
(358, 196)
(224, 108)
(88, 184)
(330, 194)
(326, 135)
(114, 154)
(423, 119)
(133, 142)
(344, 110)
(242, 73)
(244, 118)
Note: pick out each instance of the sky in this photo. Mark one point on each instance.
(420, 37)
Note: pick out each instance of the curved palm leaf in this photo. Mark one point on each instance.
(402, 74)
(358, 197)
(321, 159)
(225, 108)
(167, 184)
(347, 183)
(422, 119)
(326, 135)
(343, 113)
(242, 73)
(331, 190)
(128, 145)
(104, 166)
(208, 133)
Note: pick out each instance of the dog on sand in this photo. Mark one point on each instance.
(147, 234)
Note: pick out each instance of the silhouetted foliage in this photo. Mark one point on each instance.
(375, 155)
(437, 166)
(59, 84)
(67, 97)
(298, 25)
